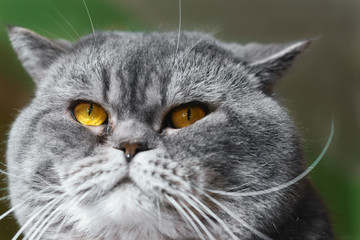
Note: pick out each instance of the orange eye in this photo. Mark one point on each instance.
(184, 116)
(90, 114)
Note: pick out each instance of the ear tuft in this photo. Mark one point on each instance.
(35, 52)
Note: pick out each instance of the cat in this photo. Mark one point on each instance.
(136, 135)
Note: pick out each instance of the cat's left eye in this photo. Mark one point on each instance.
(90, 114)
(186, 115)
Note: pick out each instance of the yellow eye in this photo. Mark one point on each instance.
(90, 114)
(184, 116)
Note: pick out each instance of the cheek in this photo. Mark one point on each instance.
(200, 140)
(223, 149)
(63, 139)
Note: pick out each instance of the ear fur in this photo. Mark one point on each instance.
(274, 62)
(268, 62)
(35, 52)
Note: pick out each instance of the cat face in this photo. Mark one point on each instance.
(137, 173)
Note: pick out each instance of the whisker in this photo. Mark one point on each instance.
(185, 215)
(42, 221)
(64, 18)
(52, 186)
(27, 223)
(242, 222)
(206, 35)
(179, 33)
(39, 223)
(64, 221)
(5, 197)
(46, 224)
(47, 32)
(63, 29)
(4, 164)
(15, 207)
(57, 212)
(212, 214)
(11, 210)
(185, 55)
(61, 225)
(195, 206)
(287, 184)
(158, 211)
(26, 180)
(197, 220)
(12, 175)
(91, 22)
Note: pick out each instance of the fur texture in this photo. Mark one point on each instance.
(70, 181)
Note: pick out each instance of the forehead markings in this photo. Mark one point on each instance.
(106, 84)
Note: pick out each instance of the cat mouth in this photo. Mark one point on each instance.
(124, 181)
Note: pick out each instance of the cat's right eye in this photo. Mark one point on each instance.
(90, 114)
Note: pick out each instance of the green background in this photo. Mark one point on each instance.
(325, 80)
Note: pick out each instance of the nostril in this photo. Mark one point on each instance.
(131, 149)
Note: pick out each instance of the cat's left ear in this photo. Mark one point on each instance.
(267, 63)
(35, 52)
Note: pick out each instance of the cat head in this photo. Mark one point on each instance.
(129, 134)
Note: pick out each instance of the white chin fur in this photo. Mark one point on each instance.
(125, 213)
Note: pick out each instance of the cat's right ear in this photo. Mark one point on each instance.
(35, 52)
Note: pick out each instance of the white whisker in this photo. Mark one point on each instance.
(48, 221)
(197, 220)
(11, 210)
(212, 214)
(16, 206)
(179, 32)
(287, 184)
(39, 223)
(12, 175)
(208, 34)
(42, 221)
(57, 212)
(48, 32)
(4, 164)
(61, 225)
(35, 215)
(158, 211)
(193, 46)
(195, 206)
(5, 197)
(64, 18)
(91, 22)
(185, 215)
(239, 220)
(63, 29)
(25, 179)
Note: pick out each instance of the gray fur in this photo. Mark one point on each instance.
(246, 142)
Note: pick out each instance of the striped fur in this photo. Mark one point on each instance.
(73, 182)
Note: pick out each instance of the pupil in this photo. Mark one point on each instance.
(188, 114)
(90, 109)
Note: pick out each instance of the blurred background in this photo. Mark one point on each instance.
(324, 80)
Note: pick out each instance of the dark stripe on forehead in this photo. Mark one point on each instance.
(81, 79)
(106, 84)
(134, 70)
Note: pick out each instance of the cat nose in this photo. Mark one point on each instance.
(131, 149)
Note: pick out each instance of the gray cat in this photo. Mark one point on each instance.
(142, 136)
